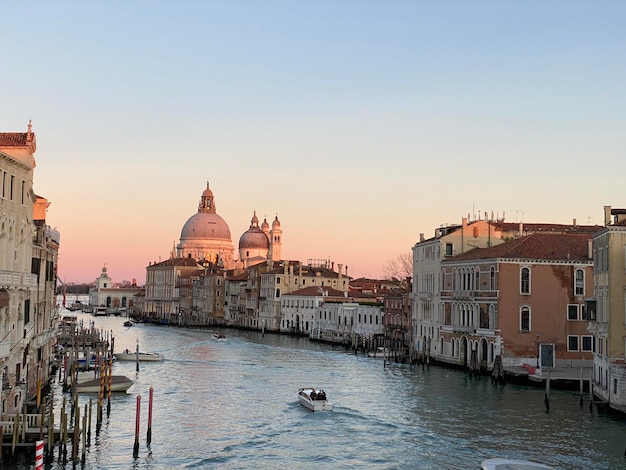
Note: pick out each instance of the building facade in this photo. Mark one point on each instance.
(428, 254)
(110, 298)
(523, 300)
(28, 269)
(608, 309)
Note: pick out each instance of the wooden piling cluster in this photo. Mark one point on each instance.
(21, 431)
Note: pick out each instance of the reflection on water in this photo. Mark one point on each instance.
(232, 404)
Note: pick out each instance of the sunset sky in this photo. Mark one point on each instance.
(361, 124)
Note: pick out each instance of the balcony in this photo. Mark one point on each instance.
(17, 280)
(5, 348)
(462, 294)
(463, 329)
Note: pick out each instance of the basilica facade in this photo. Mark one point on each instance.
(206, 237)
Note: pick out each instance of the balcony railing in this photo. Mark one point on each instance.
(463, 329)
(18, 280)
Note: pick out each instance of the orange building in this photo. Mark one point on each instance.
(523, 300)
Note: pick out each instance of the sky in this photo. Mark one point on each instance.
(360, 123)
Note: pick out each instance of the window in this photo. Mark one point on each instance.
(572, 343)
(587, 343)
(449, 250)
(579, 282)
(572, 312)
(524, 281)
(525, 319)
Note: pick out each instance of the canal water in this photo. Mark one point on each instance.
(231, 404)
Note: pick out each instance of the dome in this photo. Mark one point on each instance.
(254, 237)
(206, 235)
(206, 225)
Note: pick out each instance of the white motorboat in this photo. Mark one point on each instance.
(512, 464)
(314, 399)
(128, 355)
(379, 353)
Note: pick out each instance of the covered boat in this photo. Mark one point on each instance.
(314, 399)
(88, 382)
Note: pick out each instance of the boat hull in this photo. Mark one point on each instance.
(119, 383)
(506, 464)
(148, 357)
(304, 397)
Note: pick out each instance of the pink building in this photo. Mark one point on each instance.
(523, 300)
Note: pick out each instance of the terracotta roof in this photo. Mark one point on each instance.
(237, 277)
(314, 291)
(536, 246)
(177, 262)
(13, 139)
(528, 228)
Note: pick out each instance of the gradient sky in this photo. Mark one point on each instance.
(360, 123)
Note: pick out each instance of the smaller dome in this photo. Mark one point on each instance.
(254, 238)
(276, 223)
(265, 226)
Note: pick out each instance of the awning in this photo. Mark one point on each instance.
(4, 298)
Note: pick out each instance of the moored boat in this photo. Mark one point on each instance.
(379, 353)
(314, 399)
(89, 382)
(119, 383)
(128, 355)
(512, 464)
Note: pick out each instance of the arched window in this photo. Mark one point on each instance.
(579, 281)
(524, 319)
(524, 281)
(277, 293)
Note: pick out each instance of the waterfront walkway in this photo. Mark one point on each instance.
(560, 377)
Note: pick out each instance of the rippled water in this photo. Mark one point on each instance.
(232, 404)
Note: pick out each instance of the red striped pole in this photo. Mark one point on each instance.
(39, 455)
(136, 446)
(149, 437)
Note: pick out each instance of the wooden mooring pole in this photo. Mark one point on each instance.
(547, 397)
(581, 386)
(149, 433)
(136, 446)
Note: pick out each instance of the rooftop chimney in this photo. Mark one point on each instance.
(607, 215)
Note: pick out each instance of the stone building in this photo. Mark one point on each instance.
(608, 309)
(110, 298)
(28, 269)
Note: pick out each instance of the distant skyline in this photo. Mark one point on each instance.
(361, 124)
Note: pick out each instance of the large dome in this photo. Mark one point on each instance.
(205, 225)
(206, 235)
